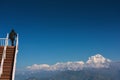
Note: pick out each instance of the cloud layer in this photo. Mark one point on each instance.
(97, 61)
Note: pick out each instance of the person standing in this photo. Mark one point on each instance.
(12, 37)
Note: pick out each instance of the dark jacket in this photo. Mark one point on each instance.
(12, 35)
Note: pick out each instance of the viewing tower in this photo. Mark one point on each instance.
(8, 56)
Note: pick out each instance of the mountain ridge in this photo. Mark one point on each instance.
(96, 67)
(96, 61)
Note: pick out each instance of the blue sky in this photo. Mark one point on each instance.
(59, 31)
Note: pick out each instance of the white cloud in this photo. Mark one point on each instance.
(97, 61)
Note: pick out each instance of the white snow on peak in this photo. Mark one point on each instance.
(38, 67)
(68, 66)
(97, 61)
(58, 66)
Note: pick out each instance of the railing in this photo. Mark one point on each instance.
(3, 42)
(15, 58)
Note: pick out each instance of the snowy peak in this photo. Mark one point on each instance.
(38, 67)
(97, 61)
(58, 66)
(68, 66)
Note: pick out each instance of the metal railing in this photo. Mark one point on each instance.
(3, 42)
(15, 59)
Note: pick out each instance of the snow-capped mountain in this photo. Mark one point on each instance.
(97, 61)
(96, 67)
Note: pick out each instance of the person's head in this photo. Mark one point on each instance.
(12, 30)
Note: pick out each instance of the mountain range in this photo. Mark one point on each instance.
(96, 67)
(97, 61)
